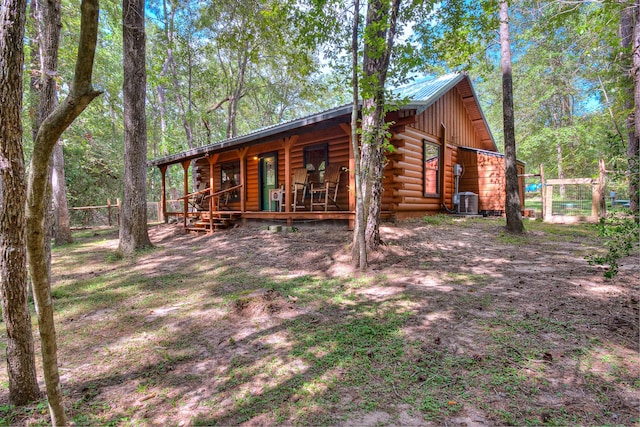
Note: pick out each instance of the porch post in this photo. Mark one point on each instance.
(286, 144)
(212, 161)
(185, 168)
(163, 195)
(242, 154)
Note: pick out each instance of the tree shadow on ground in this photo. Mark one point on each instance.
(451, 326)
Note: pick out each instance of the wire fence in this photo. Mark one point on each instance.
(106, 215)
(572, 200)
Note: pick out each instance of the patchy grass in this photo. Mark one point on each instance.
(439, 219)
(454, 323)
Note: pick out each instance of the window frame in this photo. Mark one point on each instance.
(325, 148)
(235, 166)
(425, 185)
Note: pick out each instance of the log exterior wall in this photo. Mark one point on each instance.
(484, 175)
(447, 122)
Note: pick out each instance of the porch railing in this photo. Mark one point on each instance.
(213, 199)
(218, 195)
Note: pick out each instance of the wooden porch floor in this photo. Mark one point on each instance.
(299, 215)
(202, 217)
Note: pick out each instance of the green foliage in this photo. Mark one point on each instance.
(621, 235)
(570, 83)
(284, 80)
(456, 34)
(298, 63)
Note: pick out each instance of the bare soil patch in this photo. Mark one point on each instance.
(454, 323)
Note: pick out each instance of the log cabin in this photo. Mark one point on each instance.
(445, 160)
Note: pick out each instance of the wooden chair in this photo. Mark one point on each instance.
(223, 199)
(299, 187)
(328, 189)
(199, 201)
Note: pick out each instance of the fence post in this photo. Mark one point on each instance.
(602, 182)
(109, 212)
(548, 203)
(542, 191)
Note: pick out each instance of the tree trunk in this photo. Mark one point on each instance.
(21, 370)
(170, 64)
(358, 250)
(45, 92)
(373, 162)
(133, 225)
(380, 33)
(162, 107)
(80, 95)
(62, 231)
(512, 203)
(234, 99)
(633, 148)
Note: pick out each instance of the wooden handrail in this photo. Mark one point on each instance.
(214, 207)
(218, 193)
(208, 198)
(186, 196)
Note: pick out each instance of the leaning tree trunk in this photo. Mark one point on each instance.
(45, 98)
(512, 202)
(80, 95)
(133, 225)
(23, 386)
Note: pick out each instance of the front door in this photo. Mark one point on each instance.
(268, 170)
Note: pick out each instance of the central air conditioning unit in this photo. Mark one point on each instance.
(468, 203)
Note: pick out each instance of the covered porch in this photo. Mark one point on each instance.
(258, 178)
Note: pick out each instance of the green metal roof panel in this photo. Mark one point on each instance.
(427, 88)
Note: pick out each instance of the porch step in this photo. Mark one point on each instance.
(221, 221)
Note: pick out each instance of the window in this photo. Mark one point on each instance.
(230, 177)
(315, 160)
(431, 168)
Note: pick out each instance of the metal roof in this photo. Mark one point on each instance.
(253, 136)
(421, 93)
(426, 89)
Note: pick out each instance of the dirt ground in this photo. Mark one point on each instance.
(455, 283)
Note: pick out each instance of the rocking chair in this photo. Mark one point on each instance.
(299, 187)
(328, 189)
(225, 197)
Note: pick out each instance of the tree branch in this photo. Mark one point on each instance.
(218, 104)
